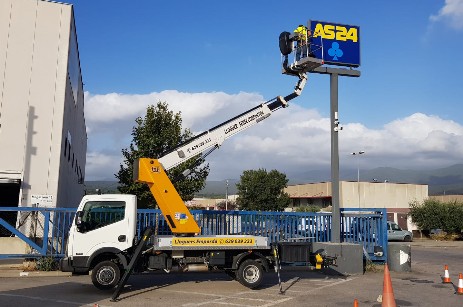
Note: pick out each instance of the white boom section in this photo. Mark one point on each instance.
(215, 136)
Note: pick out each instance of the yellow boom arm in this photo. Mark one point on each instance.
(151, 172)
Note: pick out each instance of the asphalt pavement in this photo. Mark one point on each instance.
(300, 287)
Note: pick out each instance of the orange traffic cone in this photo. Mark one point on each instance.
(446, 279)
(460, 284)
(356, 303)
(388, 292)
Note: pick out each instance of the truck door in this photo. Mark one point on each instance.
(104, 223)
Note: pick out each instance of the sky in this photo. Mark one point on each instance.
(213, 60)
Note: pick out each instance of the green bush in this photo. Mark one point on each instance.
(47, 264)
(433, 214)
(310, 208)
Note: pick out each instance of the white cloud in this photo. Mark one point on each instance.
(452, 13)
(102, 166)
(103, 111)
(417, 141)
(111, 117)
(293, 140)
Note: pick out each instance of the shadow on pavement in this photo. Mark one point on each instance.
(62, 294)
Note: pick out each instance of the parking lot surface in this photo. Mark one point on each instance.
(301, 287)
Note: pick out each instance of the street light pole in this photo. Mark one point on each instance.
(358, 171)
(226, 197)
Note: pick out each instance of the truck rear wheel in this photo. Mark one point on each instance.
(250, 273)
(106, 275)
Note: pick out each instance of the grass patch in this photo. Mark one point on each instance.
(443, 236)
(41, 264)
(47, 264)
(373, 267)
(28, 266)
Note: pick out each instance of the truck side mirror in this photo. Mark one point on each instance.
(79, 222)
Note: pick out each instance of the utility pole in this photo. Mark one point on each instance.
(226, 196)
(358, 171)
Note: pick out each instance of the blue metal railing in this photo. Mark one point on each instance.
(367, 226)
(45, 230)
(277, 226)
(364, 226)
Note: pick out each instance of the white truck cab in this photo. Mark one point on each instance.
(103, 224)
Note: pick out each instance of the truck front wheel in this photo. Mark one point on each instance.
(106, 275)
(250, 273)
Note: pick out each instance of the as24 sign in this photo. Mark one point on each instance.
(341, 43)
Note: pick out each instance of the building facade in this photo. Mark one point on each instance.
(43, 137)
(395, 197)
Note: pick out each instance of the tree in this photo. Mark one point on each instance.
(153, 136)
(226, 205)
(309, 208)
(262, 190)
(433, 214)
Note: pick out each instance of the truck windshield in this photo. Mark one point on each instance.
(98, 214)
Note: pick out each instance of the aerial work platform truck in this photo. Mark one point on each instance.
(103, 239)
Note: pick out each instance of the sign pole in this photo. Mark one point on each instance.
(335, 128)
(336, 217)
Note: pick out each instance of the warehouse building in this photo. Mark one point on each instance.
(43, 136)
(395, 197)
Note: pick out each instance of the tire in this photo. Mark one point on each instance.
(407, 239)
(250, 273)
(285, 43)
(106, 275)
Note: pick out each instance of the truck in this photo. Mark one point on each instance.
(103, 240)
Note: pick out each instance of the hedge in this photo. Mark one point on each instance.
(433, 214)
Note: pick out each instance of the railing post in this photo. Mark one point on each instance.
(45, 233)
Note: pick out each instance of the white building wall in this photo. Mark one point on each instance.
(37, 105)
(372, 194)
(16, 59)
(380, 195)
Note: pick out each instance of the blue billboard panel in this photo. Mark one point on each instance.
(340, 43)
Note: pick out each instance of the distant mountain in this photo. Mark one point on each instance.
(212, 189)
(106, 187)
(448, 180)
(219, 188)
